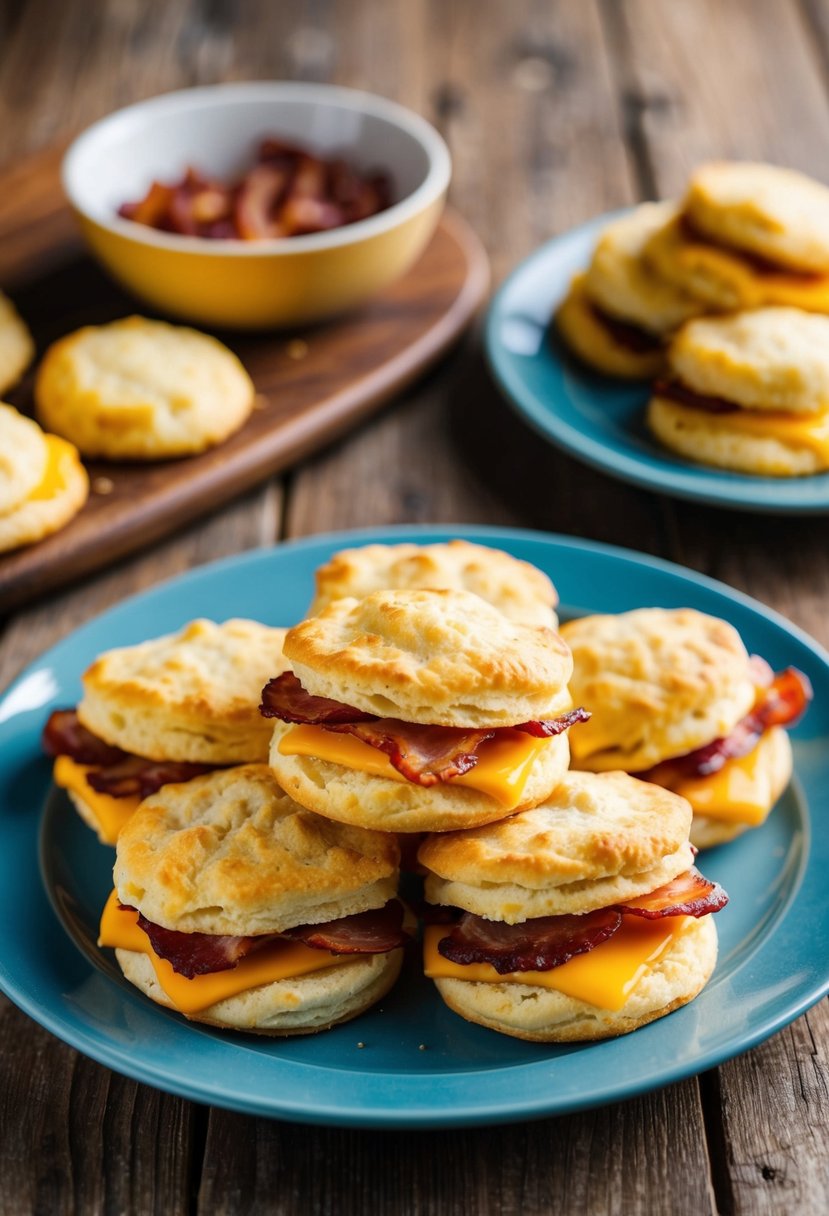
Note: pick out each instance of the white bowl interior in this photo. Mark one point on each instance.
(217, 130)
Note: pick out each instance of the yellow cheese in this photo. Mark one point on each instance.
(110, 813)
(605, 976)
(743, 791)
(52, 480)
(800, 430)
(503, 768)
(282, 960)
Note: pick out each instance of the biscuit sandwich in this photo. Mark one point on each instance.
(415, 711)
(166, 710)
(747, 235)
(518, 589)
(617, 316)
(748, 392)
(236, 907)
(678, 701)
(43, 484)
(579, 919)
(142, 390)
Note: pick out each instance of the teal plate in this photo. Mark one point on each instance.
(774, 934)
(599, 420)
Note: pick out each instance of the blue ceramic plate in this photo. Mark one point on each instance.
(54, 879)
(595, 418)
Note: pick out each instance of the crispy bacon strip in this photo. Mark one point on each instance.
(675, 390)
(423, 754)
(632, 336)
(192, 954)
(536, 945)
(63, 735)
(784, 700)
(135, 775)
(374, 932)
(690, 894)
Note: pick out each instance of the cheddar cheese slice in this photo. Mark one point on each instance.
(799, 430)
(503, 768)
(282, 960)
(52, 481)
(605, 976)
(743, 791)
(110, 813)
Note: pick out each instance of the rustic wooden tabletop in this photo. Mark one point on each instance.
(554, 111)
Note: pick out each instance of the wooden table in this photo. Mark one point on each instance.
(554, 111)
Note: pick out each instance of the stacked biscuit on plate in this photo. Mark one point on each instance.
(746, 389)
(258, 847)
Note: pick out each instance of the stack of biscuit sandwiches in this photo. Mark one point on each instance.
(425, 705)
(744, 387)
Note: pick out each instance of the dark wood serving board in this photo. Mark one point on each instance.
(312, 384)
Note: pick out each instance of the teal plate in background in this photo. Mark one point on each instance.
(774, 934)
(595, 418)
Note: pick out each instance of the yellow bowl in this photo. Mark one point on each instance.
(268, 283)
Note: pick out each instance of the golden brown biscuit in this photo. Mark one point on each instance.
(444, 658)
(17, 348)
(660, 683)
(747, 441)
(23, 454)
(773, 359)
(231, 853)
(776, 213)
(190, 696)
(55, 500)
(142, 390)
(393, 804)
(621, 283)
(591, 337)
(544, 1016)
(598, 839)
(516, 588)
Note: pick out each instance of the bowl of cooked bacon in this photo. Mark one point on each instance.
(260, 204)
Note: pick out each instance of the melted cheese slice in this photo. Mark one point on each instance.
(799, 430)
(503, 768)
(605, 976)
(110, 814)
(743, 791)
(283, 960)
(53, 480)
(755, 286)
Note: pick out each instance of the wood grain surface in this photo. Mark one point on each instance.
(554, 110)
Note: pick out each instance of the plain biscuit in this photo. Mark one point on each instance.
(598, 839)
(659, 682)
(231, 853)
(142, 390)
(583, 331)
(304, 1005)
(516, 588)
(444, 658)
(191, 696)
(389, 805)
(768, 359)
(776, 213)
(52, 504)
(17, 348)
(621, 283)
(545, 1016)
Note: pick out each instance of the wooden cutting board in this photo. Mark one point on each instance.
(312, 384)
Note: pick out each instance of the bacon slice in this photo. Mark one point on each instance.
(783, 701)
(423, 754)
(192, 954)
(675, 390)
(536, 945)
(690, 894)
(135, 775)
(63, 735)
(286, 699)
(639, 340)
(374, 932)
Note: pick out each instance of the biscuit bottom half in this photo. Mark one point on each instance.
(545, 1016)
(303, 1005)
(746, 441)
(595, 341)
